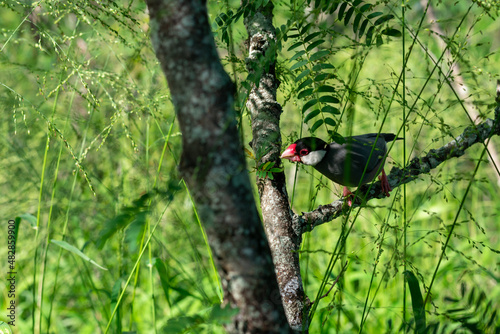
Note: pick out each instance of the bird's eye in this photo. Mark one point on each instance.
(303, 152)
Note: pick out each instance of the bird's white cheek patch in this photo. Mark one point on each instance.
(313, 158)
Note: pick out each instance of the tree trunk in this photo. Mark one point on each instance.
(213, 163)
(284, 237)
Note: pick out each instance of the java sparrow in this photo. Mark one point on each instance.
(345, 163)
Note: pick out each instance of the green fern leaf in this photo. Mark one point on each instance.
(316, 125)
(309, 104)
(302, 75)
(311, 115)
(319, 55)
(305, 93)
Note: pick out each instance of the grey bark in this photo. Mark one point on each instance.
(213, 163)
(284, 237)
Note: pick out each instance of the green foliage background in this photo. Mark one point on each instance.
(89, 150)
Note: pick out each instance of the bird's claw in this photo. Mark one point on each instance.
(384, 183)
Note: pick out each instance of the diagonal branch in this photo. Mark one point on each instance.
(473, 134)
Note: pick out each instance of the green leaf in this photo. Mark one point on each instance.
(372, 15)
(309, 104)
(330, 110)
(380, 41)
(322, 76)
(383, 19)
(316, 125)
(348, 15)
(319, 54)
(355, 24)
(362, 28)
(305, 93)
(315, 44)
(298, 64)
(219, 21)
(391, 32)
(328, 99)
(305, 83)
(304, 29)
(312, 36)
(311, 115)
(357, 2)
(296, 45)
(29, 218)
(369, 35)
(302, 75)
(330, 121)
(325, 89)
(342, 10)
(417, 302)
(323, 66)
(365, 8)
(336, 137)
(76, 251)
(297, 55)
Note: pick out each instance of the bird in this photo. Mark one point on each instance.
(353, 163)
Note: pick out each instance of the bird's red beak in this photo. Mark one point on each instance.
(291, 154)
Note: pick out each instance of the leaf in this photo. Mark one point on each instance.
(76, 251)
(356, 3)
(365, 8)
(311, 115)
(383, 19)
(326, 89)
(316, 125)
(342, 10)
(315, 44)
(330, 121)
(302, 75)
(362, 28)
(305, 83)
(323, 66)
(372, 15)
(355, 24)
(312, 36)
(319, 54)
(323, 76)
(417, 302)
(391, 32)
(309, 104)
(330, 110)
(328, 99)
(348, 15)
(297, 55)
(337, 137)
(305, 28)
(298, 64)
(369, 35)
(296, 45)
(164, 278)
(28, 217)
(305, 93)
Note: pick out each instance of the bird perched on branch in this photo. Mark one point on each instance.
(355, 162)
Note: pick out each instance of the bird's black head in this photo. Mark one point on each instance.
(301, 149)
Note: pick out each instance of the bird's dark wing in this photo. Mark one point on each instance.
(345, 163)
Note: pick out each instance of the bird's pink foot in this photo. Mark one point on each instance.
(348, 195)
(384, 183)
